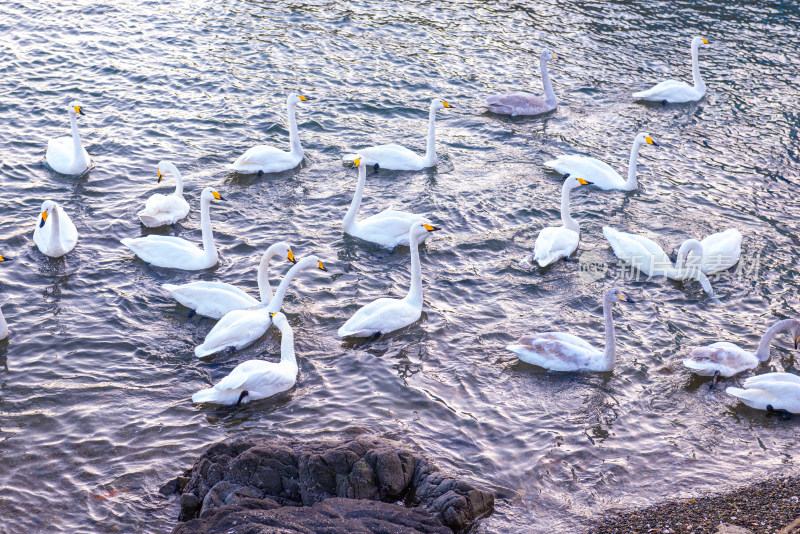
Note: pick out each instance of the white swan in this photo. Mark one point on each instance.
(647, 256)
(600, 173)
(3, 323)
(215, 299)
(257, 379)
(386, 315)
(674, 91)
(58, 236)
(726, 359)
(399, 158)
(264, 158)
(65, 154)
(239, 328)
(774, 392)
(721, 251)
(524, 104)
(388, 228)
(559, 351)
(165, 209)
(555, 242)
(175, 252)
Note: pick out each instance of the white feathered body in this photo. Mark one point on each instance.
(559, 351)
(518, 104)
(382, 316)
(726, 358)
(392, 157)
(169, 251)
(599, 173)
(211, 299)
(779, 390)
(721, 251)
(266, 159)
(163, 209)
(553, 243)
(68, 235)
(261, 379)
(639, 251)
(388, 228)
(672, 91)
(237, 329)
(60, 157)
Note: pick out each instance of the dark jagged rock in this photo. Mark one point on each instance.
(368, 485)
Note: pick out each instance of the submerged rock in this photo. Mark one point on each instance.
(365, 485)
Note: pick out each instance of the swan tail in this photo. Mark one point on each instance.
(127, 241)
(556, 165)
(216, 396)
(755, 398)
(201, 351)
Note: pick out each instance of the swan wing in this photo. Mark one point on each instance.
(383, 315)
(244, 373)
(724, 357)
(763, 381)
(518, 104)
(600, 173)
(164, 251)
(163, 209)
(557, 351)
(553, 243)
(391, 157)
(670, 90)
(638, 251)
(267, 159)
(721, 251)
(782, 393)
(237, 328)
(211, 299)
(388, 229)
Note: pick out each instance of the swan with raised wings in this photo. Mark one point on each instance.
(677, 92)
(66, 155)
(556, 242)
(524, 104)
(55, 234)
(165, 209)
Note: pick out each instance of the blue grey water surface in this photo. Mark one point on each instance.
(96, 378)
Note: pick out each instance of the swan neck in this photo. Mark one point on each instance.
(294, 137)
(3, 326)
(77, 149)
(264, 290)
(287, 346)
(55, 231)
(178, 180)
(698, 81)
(566, 217)
(631, 183)
(414, 296)
(549, 94)
(610, 352)
(762, 353)
(350, 217)
(430, 151)
(208, 236)
(280, 293)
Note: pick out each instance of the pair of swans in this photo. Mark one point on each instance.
(215, 299)
(165, 209)
(175, 252)
(388, 228)
(524, 104)
(399, 158)
(55, 234)
(386, 315)
(240, 328)
(559, 351)
(677, 92)
(257, 379)
(715, 253)
(265, 158)
(555, 242)
(66, 155)
(601, 174)
(727, 359)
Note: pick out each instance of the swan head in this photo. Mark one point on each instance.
(76, 108)
(420, 229)
(574, 181)
(794, 327)
(209, 194)
(296, 98)
(361, 161)
(48, 206)
(618, 294)
(310, 262)
(279, 319)
(165, 166)
(697, 41)
(644, 138)
(438, 103)
(281, 248)
(547, 55)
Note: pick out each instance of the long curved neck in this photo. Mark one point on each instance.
(693, 246)
(275, 304)
(55, 231)
(637, 144)
(77, 149)
(566, 218)
(549, 94)
(178, 179)
(430, 151)
(263, 276)
(610, 352)
(762, 353)
(208, 235)
(294, 137)
(698, 81)
(287, 346)
(3, 326)
(415, 291)
(350, 217)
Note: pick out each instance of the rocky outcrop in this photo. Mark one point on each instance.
(362, 485)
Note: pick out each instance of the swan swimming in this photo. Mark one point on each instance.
(559, 351)
(175, 252)
(773, 392)
(215, 299)
(257, 379)
(239, 328)
(647, 256)
(677, 92)
(601, 174)
(58, 236)
(388, 228)
(66, 155)
(386, 315)
(165, 209)
(399, 158)
(556, 242)
(264, 158)
(727, 359)
(524, 104)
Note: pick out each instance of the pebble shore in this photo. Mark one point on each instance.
(765, 507)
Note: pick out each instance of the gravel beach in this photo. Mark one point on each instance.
(764, 507)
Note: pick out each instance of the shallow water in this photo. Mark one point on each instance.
(96, 380)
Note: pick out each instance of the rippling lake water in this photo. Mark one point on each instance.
(96, 380)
